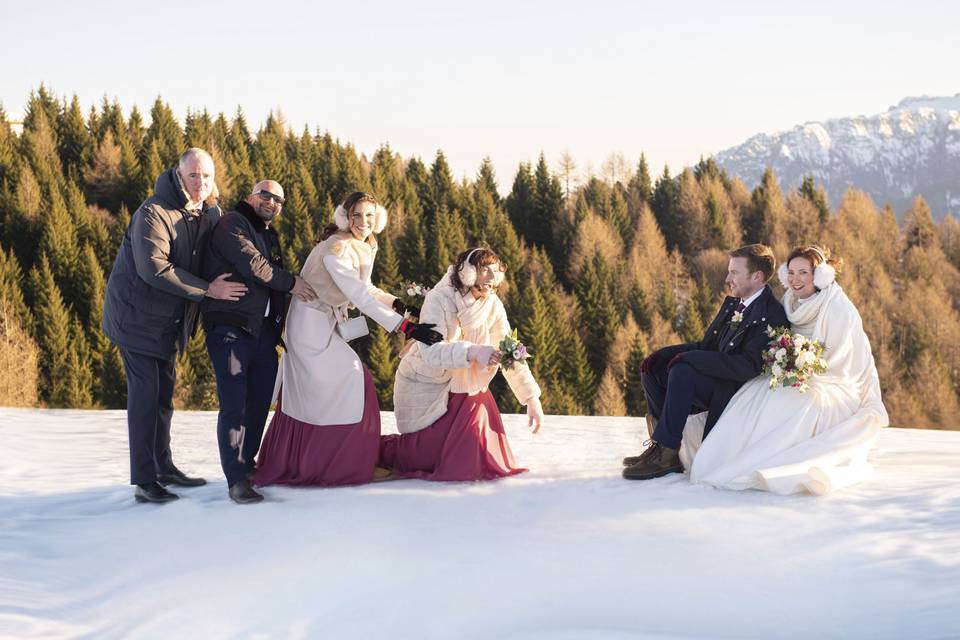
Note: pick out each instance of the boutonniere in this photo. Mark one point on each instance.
(736, 320)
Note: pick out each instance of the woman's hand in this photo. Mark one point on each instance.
(534, 414)
(483, 355)
(420, 332)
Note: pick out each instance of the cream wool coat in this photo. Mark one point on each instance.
(425, 375)
(320, 376)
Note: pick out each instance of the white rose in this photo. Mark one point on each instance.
(410, 292)
(776, 370)
(780, 354)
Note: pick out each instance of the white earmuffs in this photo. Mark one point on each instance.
(468, 272)
(342, 219)
(823, 274)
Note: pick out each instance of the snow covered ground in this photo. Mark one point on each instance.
(568, 551)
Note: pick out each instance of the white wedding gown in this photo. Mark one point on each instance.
(785, 441)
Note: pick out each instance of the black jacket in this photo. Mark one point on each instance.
(732, 355)
(243, 246)
(155, 286)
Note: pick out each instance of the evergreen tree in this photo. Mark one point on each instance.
(487, 180)
(817, 197)
(151, 166)
(386, 268)
(53, 322)
(521, 202)
(11, 295)
(196, 383)
(74, 141)
(765, 220)
(59, 242)
(165, 131)
(548, 202)
(664, 205)
(539, 332)
(382, 364)
(599, 315)
(641, 185)
(8, 152)
(634, 396)
(104, 177)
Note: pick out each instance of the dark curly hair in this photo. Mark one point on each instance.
(481, 257)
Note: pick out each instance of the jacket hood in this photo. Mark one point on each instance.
(169, 189)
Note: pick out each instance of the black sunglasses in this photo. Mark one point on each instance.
(266, 195)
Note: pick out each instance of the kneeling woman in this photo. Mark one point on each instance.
(449, 423)
(326, 429)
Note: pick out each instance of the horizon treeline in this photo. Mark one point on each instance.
(600, 272)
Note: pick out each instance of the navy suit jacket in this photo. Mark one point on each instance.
(731, 356)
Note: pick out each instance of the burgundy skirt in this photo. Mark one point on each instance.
(303, 454)
(468, 442)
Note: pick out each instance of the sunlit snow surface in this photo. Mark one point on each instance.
(567, 551)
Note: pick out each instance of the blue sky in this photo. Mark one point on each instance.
(501, 79)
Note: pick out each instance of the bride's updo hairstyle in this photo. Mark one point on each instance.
(466, 265)
(826, 266)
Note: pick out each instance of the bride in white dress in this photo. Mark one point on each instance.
(785, 441)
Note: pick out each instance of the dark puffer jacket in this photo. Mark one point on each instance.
(154, 289)
(243, 246)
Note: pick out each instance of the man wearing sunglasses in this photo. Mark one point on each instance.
(243, 334)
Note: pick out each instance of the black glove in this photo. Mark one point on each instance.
(401, 308)
(421, 332)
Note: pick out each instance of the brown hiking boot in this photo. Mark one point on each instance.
(656, 461)
(629, 461)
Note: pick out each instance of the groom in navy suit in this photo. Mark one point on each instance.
(683, 379)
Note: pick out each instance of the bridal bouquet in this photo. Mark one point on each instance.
(412, 294)
(512, 351)
(791, 359)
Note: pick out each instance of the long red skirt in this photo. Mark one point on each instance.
(303, 454)
(468, 442)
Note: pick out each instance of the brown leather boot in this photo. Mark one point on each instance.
(629, 461)
(656, 461)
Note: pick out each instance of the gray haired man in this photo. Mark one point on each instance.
(151, 309)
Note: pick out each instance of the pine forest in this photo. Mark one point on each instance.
(602, 269)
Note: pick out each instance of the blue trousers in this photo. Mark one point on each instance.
(673, 396)
(246, 368)
(150, 384)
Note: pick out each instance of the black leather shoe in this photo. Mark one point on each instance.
(242, 493)
(153, 492)
(180, 479)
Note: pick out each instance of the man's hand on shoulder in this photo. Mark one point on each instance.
(222, 289)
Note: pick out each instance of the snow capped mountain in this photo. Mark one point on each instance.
(911, 149)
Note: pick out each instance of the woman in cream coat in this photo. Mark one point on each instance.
(449, 423)
(326, 428)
